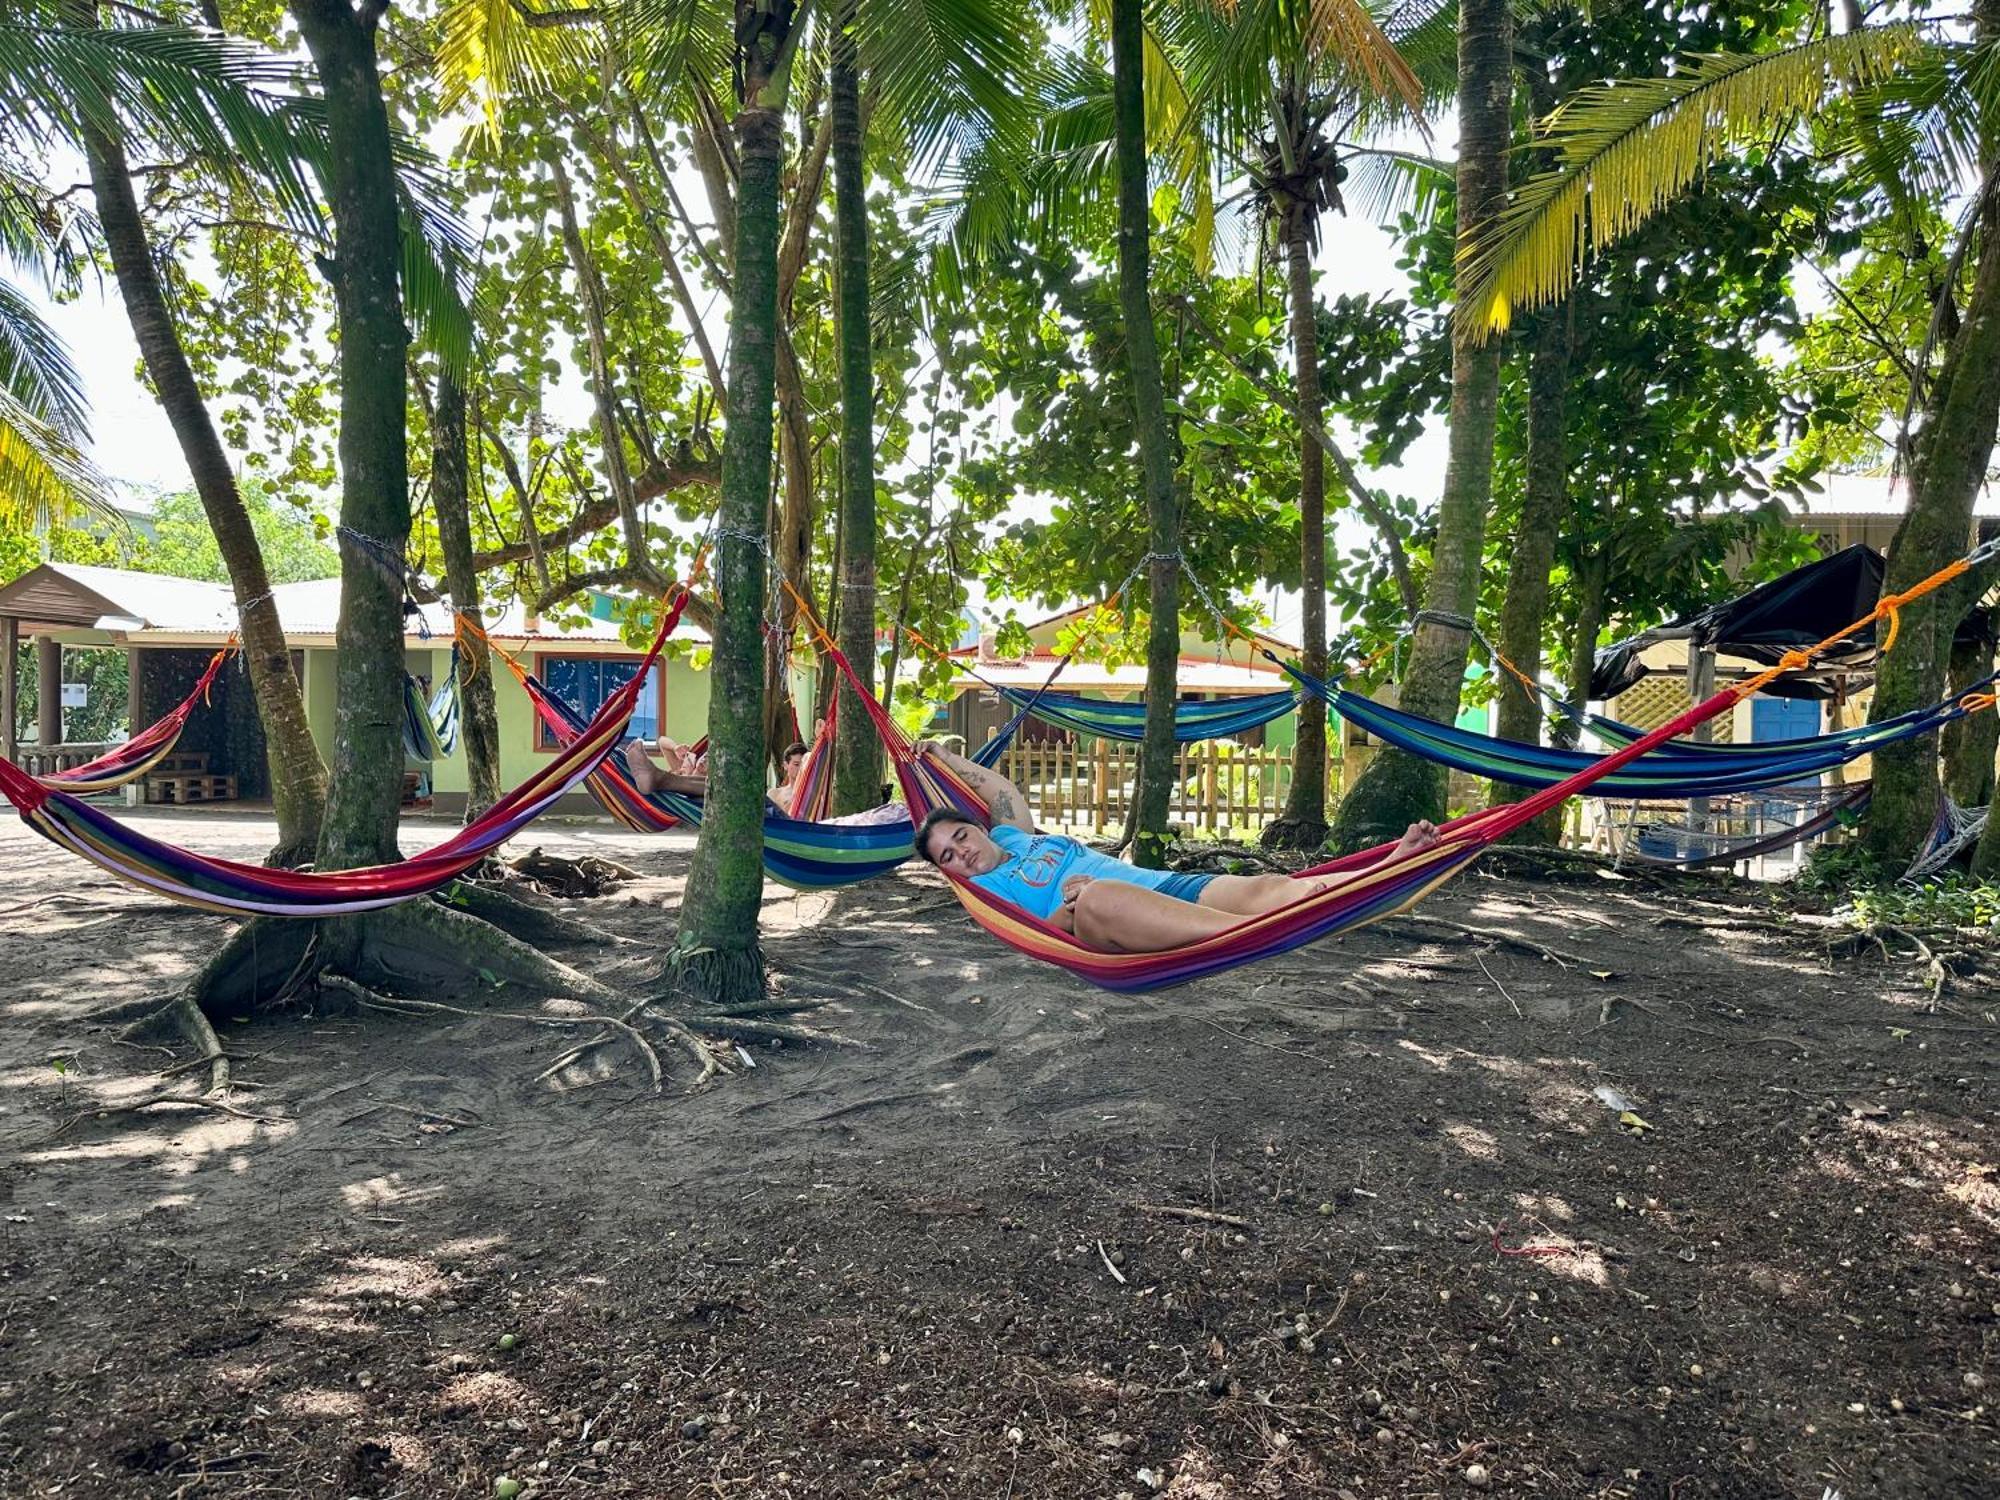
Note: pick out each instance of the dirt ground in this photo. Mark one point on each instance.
(1351, 1223)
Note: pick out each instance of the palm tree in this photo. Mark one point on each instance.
(1917, 113)
(1283, 87)
(944, 76)
(236, 112)
(1397, 788)
(1231, 87)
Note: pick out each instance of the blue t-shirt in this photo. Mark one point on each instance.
(1039, 863)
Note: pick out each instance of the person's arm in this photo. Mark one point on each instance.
(1005, 802)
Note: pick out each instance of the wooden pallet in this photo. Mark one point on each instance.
(185, 789)
(184, 764)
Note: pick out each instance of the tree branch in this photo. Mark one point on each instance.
(684, 469)
(1399, 561)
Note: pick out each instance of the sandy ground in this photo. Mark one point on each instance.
(1350, 1223)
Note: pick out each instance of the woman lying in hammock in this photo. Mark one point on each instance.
(1109, 904)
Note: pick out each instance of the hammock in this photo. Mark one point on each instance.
(430, 725)
(230, 886)
(1953, 831)
(140, 753)
(1379, 883)
(1738, 830)
(1194, 719)
(1667, 773)
(805, 853)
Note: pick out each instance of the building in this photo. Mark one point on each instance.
(168, 629)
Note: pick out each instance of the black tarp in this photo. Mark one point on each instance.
(1801, 608)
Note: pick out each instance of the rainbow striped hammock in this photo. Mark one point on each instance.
(807, 853)
(253, 890)
(1374, 883)
(139, 754)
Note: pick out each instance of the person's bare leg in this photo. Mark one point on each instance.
(1122, 918)
(1253, 895)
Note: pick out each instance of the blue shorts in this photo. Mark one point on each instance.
(1184, 886)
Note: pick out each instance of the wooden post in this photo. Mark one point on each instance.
(48, 692)
(1101, 779)
(135, 691)
(10, 684)
(1208, 774)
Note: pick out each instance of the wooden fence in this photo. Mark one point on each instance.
(1219, 785)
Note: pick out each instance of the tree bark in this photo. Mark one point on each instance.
(857, 762)
(1398, 788)
(1968, 745)
(1525, 607)
(1591, 573)
(1149, 411)
(478, 718)
(1303, 825)
(717, 953)
(298, 779)
(361, 809)
(1952, 447)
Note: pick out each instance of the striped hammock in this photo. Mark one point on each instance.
(253, 890)
(143, 751)
(1363, 887)
(1668, 773)
(1194, 719)
(807, 853)
(430, 725)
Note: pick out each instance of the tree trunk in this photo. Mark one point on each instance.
(716, 948)
(1968, 745)
(1149, 411)
(1524, 610)
(1303, 825)
(1952, 445)
(1591, 573)
(1398, 788)
(857, 773)
(478, 717)
(298, 779)
(374, 530)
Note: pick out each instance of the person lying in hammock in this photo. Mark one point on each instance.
(1105, 902)
(650, 778)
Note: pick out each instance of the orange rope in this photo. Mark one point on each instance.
(1885, 608)
(1972, 703)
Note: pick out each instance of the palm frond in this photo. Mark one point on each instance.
(669, 42)
(1239, 51)
(1625, 149)
(45, 480)
(35, 368)
(950, 72)
(184, 92)
(490, 50)
(1383, 185)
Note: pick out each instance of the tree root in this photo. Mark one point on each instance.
(162, 1101)
(1302, 834)
(1937, 972)
(427, 942)
(1497, 937)
(182, 1015)
(855, 986)
(524, 919)
(739, 1026)
(590, 875)
(716, 977)
(374, 1000)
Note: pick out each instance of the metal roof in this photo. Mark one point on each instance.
(74, 596)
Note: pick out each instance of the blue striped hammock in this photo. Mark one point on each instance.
(1672, 773)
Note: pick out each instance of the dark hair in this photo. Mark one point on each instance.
(794, 748)
(938, 818)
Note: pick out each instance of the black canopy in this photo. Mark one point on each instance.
(1801, 608)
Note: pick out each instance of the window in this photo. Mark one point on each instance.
(582, 683)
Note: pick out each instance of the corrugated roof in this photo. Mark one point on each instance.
(186, 608)
(1877, 495)
(1085, 676)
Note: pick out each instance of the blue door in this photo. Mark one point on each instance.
(1783, 718)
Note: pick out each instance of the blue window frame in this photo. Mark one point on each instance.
(584, 682)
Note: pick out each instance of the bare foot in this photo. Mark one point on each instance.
(1421, 835)
(639, 766)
